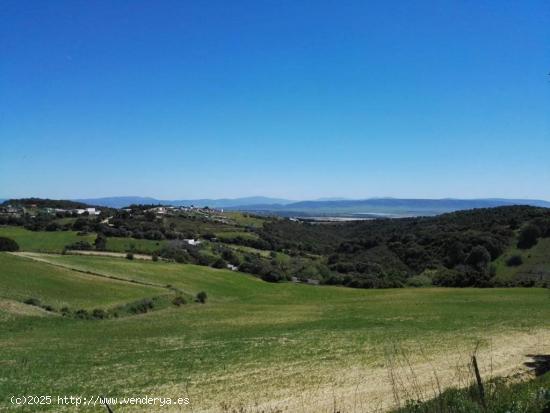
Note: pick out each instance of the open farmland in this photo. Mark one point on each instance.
(256, 345)
(43, 241)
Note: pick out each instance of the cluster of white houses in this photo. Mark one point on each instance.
(78, 211)
(16, 210)
(213, 214)
(162, 210)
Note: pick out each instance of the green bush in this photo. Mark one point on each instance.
(79, 245)
(99, 313)
(141, 307)
(419, 281)
(7, 244)
(514, 261)
(201, 297)
(179, 300)
(33, 301)
(220, 263)
(82, 314)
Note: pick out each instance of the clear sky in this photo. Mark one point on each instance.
(297, 99)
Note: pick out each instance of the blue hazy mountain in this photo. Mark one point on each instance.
(122, 201)
(385, 206)
(325, 207)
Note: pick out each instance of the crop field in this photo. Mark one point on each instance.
(253, 346)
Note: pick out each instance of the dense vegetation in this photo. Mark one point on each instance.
(458, 249)
(454, 249)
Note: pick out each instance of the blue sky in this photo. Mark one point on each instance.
(296, 99)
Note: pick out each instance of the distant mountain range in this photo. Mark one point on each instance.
(373, 207)
(122, 201)
(380, 207)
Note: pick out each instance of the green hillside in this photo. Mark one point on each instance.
(535, 264)
(43, 241)
(252, 342)
(22, 279)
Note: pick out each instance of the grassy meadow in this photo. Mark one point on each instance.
(55, 241)
(253, 346)
(43, 241)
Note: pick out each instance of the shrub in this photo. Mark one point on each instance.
(129, 256)
(201, 297)
(220, 263)
(80, 245)
(100, 242)
(271, 277)
(99, 313)
(514, 261)
(33, 301)
(419, 281)
(7, 244)
(82, 314)
(179, 300)
(141, 307)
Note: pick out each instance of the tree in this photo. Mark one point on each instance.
(201, 297)
(7, 244)
(100, 242)
(479, 258)
(528, 236)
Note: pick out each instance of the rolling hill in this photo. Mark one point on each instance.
(254, 346)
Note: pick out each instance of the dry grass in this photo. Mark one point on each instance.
(349, 386)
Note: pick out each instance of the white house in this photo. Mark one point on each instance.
(90, 211)
(192, 241)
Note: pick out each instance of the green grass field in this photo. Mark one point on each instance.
(59, 287)
(43, 241)
(254, 345)
(132, 244)
(55, 241)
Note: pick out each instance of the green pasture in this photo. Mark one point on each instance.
(252, 341)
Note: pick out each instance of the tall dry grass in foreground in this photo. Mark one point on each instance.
(414, 382)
